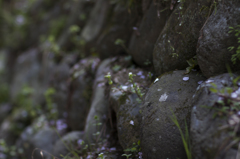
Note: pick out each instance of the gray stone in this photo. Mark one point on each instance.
(59, 81)
(24, 140)
(212, 51)
(178, 40)
(44, 141)
(143, 40)
(70, 140)
(209, 137)
(119, 26)
(81, 92)
(126, 104)
(98, 16)
(170, 94)
(27, 70)
(78, 9)
(99, 105)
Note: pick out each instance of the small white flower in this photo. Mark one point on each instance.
(125, 88)
(130, 74)
(234, 95)
(156, 80)
(209, 81)
(132, 122)
(185, 78)
(163, 97)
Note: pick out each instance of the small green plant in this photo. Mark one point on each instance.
(228, 107)
(101, 156)
(127, 155)
(235, 56)
(53, 46)
(108, 76)
(133, 150)
(121, 43)
(174, 54)
(147, 62)
(74, 29)
(150, 75)
(136, 89)
(229, 102)
(185, 138)
(192, 64)
(116, 68)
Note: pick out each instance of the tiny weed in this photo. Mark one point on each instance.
(185, 138)
(136, 88)
(192, 64)
(108, 76)
(122, 43)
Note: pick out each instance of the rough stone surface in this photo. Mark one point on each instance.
(212, 52)
(59, 81)
(178, 40)
(70, 139)
(81, 91)
(127, 104)
(170, 94)
(209, 140)
(39, 136)
(98, 16)
(99, 105)
(24, 140)
(78, 9)
(119, 26)
(143, 40)
(27, 69)
(44, 140)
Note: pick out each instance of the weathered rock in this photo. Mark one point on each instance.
(70, 140)
(170, 94)
(78, 9)
(178, 40)
(81, 92)
(209, 137)
(59, 82)
(119, 26)
(98, 16)
(212, 52)
(44, 140)
(49, 19)
(39, 136)
(126, 105)
(143, 40)
(27, 70)
(23, 142)
(99, 105)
